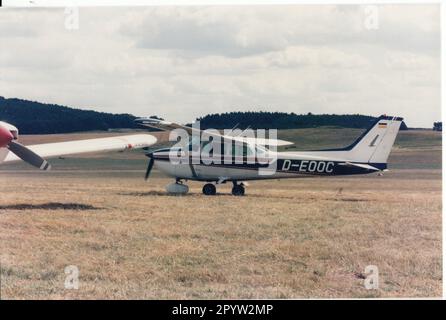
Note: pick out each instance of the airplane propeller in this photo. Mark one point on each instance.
(24, 153)
(149, 166)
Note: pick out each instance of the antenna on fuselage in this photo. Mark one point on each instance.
(241, 131)
(235, 127)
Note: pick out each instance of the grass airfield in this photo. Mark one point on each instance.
(309, 237)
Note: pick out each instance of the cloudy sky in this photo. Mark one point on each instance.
(184, 62)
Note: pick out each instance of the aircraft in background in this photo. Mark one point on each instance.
(11, 150)
(368, 154)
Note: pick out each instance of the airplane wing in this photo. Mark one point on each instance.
(118, 143)
(167, 126)
(161, 124)
(261, 141)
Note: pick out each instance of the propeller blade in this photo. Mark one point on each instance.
(149, 168)
(28, 156)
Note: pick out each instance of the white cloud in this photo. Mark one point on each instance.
(184, 62)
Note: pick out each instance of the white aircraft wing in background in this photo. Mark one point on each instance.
(118, 143)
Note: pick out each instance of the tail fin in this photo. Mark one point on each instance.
(375, 144)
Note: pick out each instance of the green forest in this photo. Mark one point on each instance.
(281, 120)
(38, 118)
(33, 117)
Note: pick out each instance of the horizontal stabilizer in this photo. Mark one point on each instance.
(359, 165)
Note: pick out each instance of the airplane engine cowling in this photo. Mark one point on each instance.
(5, 136)
(11, 129)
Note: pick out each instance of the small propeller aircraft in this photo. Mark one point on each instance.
(251, 159)
(221, 158)
(11, 150)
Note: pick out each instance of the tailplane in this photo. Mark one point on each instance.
(375, 144)
(370, 151)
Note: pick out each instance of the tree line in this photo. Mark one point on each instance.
(37, 118)
(282, 120)
(33, 117)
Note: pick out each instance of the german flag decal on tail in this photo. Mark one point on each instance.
(382, 125)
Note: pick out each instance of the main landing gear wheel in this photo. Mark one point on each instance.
(209, 189)
(238, 190)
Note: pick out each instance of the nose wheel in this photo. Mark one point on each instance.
(209, 189)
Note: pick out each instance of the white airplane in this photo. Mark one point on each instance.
(237, 159)
(11, 150)
(250, 159)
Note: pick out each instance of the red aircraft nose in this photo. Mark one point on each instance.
(5, 137)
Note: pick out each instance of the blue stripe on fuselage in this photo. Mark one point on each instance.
(316, 167)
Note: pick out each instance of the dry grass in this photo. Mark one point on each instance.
(285, 239)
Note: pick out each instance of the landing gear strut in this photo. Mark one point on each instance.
(209, 189)
(238, 189)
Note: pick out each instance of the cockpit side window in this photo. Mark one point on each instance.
(193, 144)
(227, 147)
(242, 149)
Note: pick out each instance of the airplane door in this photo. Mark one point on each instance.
(211, 170)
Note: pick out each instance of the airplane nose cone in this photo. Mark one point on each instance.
(5, 137)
